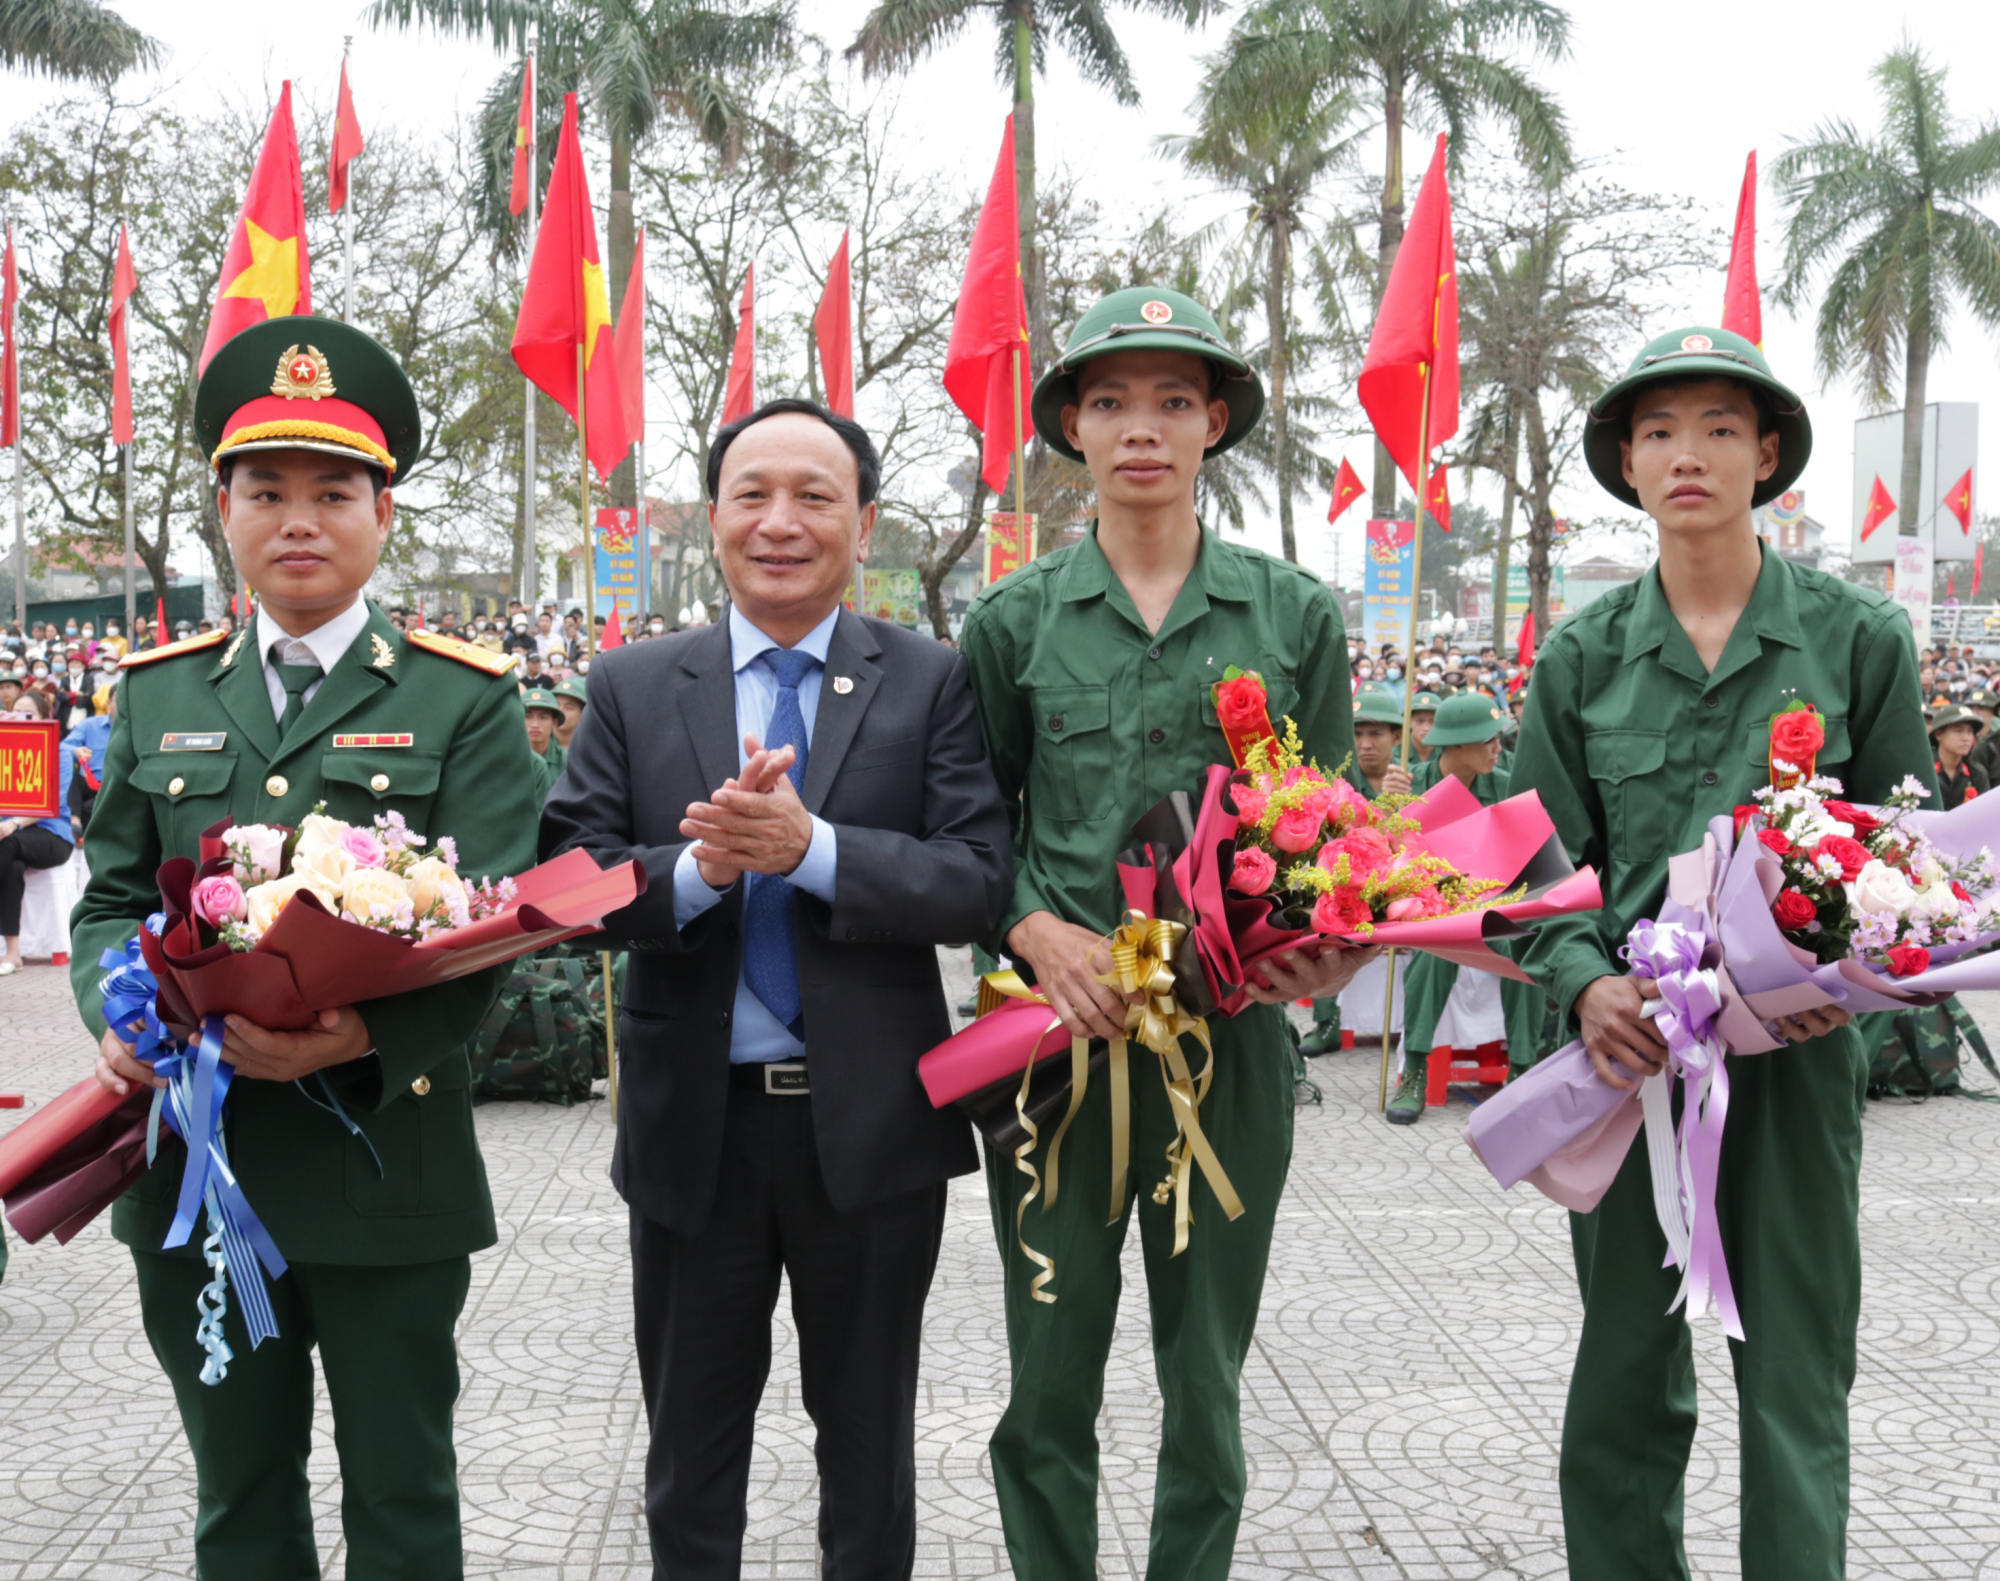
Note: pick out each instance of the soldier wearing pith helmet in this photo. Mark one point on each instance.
(1651, 717)
(319, 699)
(1094, 668)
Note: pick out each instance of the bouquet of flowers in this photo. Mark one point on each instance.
(275, 925)
(1799, 900)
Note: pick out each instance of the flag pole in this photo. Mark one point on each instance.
(20, 465)
(346, 210)
(530, 565)
(1409, 687)
(1023, 535)
(131, 535)
(583, 499)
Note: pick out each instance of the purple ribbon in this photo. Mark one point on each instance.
(1687, 1163)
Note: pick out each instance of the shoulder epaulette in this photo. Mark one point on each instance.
(466, 653)
(173, 650)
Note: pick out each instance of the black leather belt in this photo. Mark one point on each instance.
(780, 1079)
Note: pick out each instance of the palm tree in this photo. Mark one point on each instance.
(1275, 158)
(1430, 60)
(71, 38)
(897, 34)
(1896, 218)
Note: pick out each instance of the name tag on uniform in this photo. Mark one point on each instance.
(187, 741)
(403, 740)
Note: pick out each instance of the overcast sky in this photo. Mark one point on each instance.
(1676, 98)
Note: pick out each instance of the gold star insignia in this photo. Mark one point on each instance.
(273, 275)
(596, 309)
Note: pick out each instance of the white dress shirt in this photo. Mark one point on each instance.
(757, 1036)
(325, 643)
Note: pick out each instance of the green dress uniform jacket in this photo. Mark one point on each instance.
(196, 741)
(1090, 719)
(1634, 747)
(1430, 979)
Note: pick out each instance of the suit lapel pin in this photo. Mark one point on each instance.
(843, 684)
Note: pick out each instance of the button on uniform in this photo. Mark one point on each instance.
(277, 785)
(421, 1086)
(379, 784)
(176, 785)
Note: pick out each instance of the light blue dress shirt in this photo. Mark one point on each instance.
(758, 1037)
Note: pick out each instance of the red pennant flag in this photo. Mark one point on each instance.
(524, 145)
(833, 328)
(1347, 488)
(1742, 306)
(739, 395)
(567, 306)
(1438, 505)
(989, 330)
(628, 344)
(160, 637)
(1415, 330)
(614, 636)
(265, 272)
(346, 144)
(1525, 649)
(1959, 501)
(1951, 586)
(124, 281)
(1880, 508)
(10, 365)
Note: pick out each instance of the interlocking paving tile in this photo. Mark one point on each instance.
(1402, 1406)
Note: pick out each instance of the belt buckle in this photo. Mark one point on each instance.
(782, 1080)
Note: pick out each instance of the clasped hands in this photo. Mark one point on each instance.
(260, 1053)
(1068, 961)
(1625, 1046)
(754, 824)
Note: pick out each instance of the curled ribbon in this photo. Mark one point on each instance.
(994, 987)
(191, 1103)
(1687, 1161)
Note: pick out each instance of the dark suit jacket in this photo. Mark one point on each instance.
(898, 768)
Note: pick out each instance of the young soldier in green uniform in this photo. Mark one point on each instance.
(1094, 669)
(317, 699)
(1465, 739)
(1651, 716)
(545, 714)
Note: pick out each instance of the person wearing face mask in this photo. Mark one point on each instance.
(113, 641)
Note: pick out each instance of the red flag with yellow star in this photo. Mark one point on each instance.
(1881, 506)
(1959, 501)
(566, 306)
(524, 144)
(1438, 503)
(1347, 488)
(265, 272)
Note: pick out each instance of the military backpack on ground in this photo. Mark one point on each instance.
(544, 1037)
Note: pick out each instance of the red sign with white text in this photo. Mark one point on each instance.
(29, 780)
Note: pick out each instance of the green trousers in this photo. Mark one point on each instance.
(1789, 1201)
(384, 1337)
(1203, 1306)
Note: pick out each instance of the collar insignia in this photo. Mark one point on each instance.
(229, 657)
(303, 375)
(385, 656)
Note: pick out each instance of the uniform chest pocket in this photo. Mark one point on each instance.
(1072, 777)
(1281, 698)
(1626, 767)
(361, 783)
(1838, 748)
(189, 792)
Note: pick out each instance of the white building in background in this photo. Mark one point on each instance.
(1785, 526)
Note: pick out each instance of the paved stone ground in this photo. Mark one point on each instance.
(1401, 1408)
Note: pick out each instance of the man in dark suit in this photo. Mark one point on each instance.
(808, 793)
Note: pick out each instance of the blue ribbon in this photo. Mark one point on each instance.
(198, 1081)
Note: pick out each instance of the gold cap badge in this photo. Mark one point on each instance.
(1156, 312)
(303, 375)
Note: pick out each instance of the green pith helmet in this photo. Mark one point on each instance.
(303, 383)
(541, 697)
(1696, 353)
(573, 687)
(1425, 703)
(1148, 318)
(1465, 719)
(1982, 698)
(1379, 708)
(1951, 715)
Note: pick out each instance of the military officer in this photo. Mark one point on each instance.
(318, 699)
(1461, 1007)
(1651, 716)
(545, 714)
(1094, 668)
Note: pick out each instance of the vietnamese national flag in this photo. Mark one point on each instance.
(989, 330)
(739, 394)
(1525, 651)
(628, 344)
(1880, 508)
(1438, 505)
(1347, 488)
(833, 329)
(1959, 501)
(614, 635)
(124, 281)
(1742, 306)
(566, 307)
(1416, 331)
(265, 272)
(346, 144)
(524, 145)
(10, 365)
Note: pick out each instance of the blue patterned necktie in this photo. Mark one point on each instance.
(770, 949)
